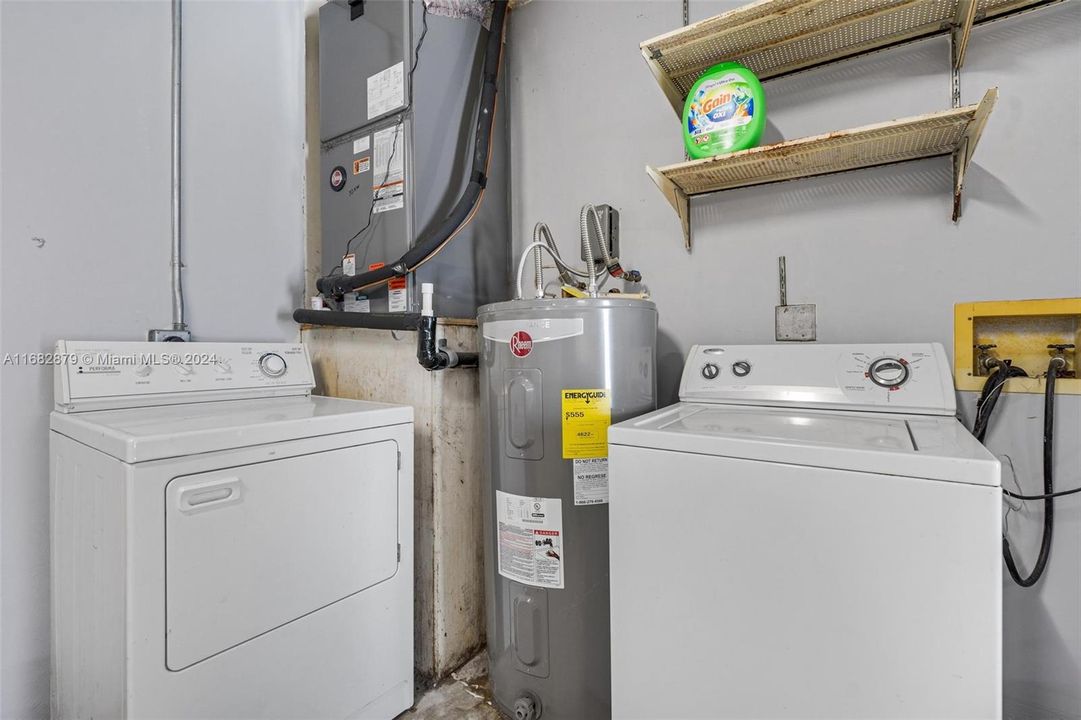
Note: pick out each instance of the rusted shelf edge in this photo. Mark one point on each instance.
(966, 16)
(963, 19)
(961, 155)
(966, 148)
(677, 199)
(673, 93)
(806, 6)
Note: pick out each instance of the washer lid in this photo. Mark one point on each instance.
(153, 433)
(937, 448)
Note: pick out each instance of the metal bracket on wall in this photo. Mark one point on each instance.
(962, 155)
(678, 200)
(960, 31)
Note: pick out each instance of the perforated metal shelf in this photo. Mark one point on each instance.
(952, 132)
(778, 37)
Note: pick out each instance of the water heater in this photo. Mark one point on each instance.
(554, 374)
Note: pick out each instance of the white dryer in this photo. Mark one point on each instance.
(226, 545)
(809, 533)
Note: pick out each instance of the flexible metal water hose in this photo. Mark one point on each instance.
(538, 266)
(587, 251)
(541, 233)
(611, 264)
(602, 239)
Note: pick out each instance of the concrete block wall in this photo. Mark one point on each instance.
(448, 475)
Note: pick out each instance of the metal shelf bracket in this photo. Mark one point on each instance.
(960, 31)
(962, 156)
(679, 201)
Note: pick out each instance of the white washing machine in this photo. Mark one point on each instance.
(226, 545)
(809, 533)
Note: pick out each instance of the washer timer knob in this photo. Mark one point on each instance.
(741, 368)
(889, 372)
(710, 371)
(272, 365)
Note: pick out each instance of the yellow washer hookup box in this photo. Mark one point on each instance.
(587, 413)
(1021, 331)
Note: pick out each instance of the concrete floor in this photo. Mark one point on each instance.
(464, 696)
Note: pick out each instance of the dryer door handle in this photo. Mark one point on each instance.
(208, 495)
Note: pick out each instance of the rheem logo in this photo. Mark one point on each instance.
(521, 344)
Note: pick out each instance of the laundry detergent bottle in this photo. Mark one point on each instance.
(725, 111)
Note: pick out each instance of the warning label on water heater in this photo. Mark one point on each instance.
(530, 532)
(591, 481)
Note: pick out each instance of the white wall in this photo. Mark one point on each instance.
(874, 249)
(85, 147)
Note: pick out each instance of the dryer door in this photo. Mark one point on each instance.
(251, 548)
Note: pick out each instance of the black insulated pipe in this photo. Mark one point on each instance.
(467, 204)
(429, 354)
(433, 357)
(370, 321)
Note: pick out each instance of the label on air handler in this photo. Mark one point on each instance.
(530, 532)
(587, 413)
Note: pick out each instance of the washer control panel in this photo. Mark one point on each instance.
(99, 375)
(913, 378)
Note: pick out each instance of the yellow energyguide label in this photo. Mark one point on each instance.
(587, 413)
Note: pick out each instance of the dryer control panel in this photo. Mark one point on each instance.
(909, 378)
(92, 375)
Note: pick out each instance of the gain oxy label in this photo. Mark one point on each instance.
(725, 111)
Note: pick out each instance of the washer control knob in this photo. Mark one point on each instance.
(184, 370)
(710, 371)
(741, 368)
(144, 370)
(272, 365)
(889, 372)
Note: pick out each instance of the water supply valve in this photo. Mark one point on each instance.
(1058, 358)
(986, 361)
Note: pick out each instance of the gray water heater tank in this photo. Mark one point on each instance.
(554, 374)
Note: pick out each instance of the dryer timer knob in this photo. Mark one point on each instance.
(710, 371)
(272, 365)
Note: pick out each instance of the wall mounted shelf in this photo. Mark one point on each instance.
(953, 132)
(779, 37)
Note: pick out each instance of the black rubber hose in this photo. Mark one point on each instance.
(434, 240)
(992, 390)
(371, 321)
(1048, 488)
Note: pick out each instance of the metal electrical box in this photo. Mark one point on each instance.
(396, 149)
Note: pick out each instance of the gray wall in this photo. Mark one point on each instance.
(875, 249)
(84, 141)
